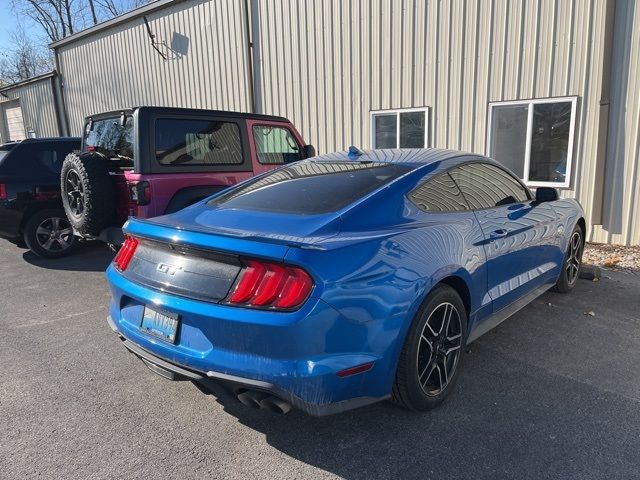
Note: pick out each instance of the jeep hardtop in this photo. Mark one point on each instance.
(150, 161)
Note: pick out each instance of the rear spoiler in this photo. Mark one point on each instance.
(217, 240)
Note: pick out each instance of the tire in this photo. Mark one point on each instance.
(48, 234)
(572, 262)
(423, 380)
(88, 195)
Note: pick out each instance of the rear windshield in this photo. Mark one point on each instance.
(309, 188)
(109, 137)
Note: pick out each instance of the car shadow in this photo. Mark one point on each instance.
(517, 410)
(89, 257)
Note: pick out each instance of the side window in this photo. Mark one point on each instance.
(35, 158)
(197, 142)
(487, 186)
(47, 158)
(275, 145)
(439, 194)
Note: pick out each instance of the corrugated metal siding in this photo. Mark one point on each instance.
(622, 186)
(118, 68)
(345, 59)
(38, 107)
(326, 64)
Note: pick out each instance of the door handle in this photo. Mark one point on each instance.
(500, 233)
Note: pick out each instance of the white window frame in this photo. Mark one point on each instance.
(397, 111)
(527, 153)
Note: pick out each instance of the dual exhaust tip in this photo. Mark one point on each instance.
(265, 401)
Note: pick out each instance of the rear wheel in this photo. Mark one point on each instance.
(432, 354)
(49, 234)
(572, 262)
(87, 192)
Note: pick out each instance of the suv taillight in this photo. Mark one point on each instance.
(3, 191)
(125, 254)
(270, 285)
(140, 192)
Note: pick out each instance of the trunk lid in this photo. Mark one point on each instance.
(265, 227)
(197, 252)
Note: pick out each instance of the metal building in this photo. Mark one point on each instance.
(29, 109)
(549, 87)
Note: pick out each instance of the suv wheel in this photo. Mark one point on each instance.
(49, 234)
(87, 192)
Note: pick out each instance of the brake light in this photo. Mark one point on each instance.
(271, 285)
(140, 192)
(3, 191)
(125, 254)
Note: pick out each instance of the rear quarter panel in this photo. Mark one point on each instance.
(381, 276)
(165, 185)
(569, 211)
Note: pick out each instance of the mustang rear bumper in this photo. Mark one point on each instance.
(235, 384)
(295, 356)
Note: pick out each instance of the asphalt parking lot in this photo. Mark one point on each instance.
(551, 393)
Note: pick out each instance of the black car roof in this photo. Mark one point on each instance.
(52, 139)
(40, 140)
(407, 156)
(190, 111)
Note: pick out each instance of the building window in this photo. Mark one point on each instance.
(406, 128)
(534, 139)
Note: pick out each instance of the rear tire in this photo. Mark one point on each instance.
(87, 192)
(48, 234)
(431, 357)
(572, 262)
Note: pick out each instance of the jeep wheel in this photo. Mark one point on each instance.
(87, 192)
(48, 234)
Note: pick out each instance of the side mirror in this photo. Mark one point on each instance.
(546, 194)
(307, 151)
(123, 119)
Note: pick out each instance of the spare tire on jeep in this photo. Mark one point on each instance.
(87, 192)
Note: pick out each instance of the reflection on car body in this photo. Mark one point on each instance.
(331, 283)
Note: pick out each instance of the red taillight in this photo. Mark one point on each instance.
(125, 254)
(140, 192)
(347, 372)
(3, 191)
(271, 285)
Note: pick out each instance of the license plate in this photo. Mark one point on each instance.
(163, 325)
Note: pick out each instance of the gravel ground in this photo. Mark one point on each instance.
(613, 257)
(550, 393)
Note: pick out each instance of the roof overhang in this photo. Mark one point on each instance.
(126, 17)
(28, 81)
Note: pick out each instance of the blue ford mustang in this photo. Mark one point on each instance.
(340, 281)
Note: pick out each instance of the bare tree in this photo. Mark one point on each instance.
(60, 18)
(24, 59)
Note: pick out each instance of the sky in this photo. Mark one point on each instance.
(8, 23)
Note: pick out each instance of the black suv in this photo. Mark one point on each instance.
(31, 210)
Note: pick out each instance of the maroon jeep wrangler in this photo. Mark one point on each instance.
(149, 161)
